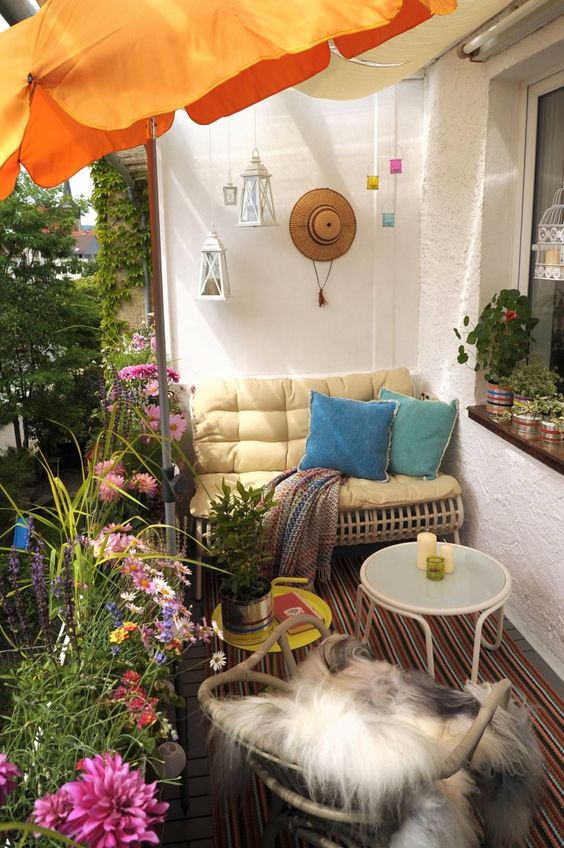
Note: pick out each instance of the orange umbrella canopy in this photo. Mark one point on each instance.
(80, 78)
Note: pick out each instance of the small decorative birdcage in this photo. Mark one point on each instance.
(549, 263)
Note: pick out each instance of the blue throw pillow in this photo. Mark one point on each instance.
(420, 434)
(351, 436)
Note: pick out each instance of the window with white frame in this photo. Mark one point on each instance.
(542, 264)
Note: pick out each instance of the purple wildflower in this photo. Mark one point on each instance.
(38, 578)
(68, 595)
(14, 574)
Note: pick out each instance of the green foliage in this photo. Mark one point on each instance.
(551, 408)
(123, 236)
(501, 336)
(50, 323)
(17, 473)
(238, 538)
(533, 379)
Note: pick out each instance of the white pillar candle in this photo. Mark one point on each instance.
(447, 552)
(426, 547)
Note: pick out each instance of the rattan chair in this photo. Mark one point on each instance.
(291, 809)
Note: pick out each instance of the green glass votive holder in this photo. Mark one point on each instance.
(435, 568)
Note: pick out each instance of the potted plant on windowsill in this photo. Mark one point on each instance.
(501, 337)
(531, 379)
(526, 417)
(552, 424)
(238, 545)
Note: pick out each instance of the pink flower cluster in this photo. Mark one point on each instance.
(108, 806)
(177, 423)
(9, 774)
(146, 371)
(113, 480)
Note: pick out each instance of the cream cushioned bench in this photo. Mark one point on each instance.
(253, 429)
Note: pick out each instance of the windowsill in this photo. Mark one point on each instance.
(551, 456)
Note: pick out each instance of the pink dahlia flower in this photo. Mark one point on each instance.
(101, 469)
(8, 777)
(110, 487)
(112, 806)
(52, 811)
(177, 424)
(144, 483)
(153, 413)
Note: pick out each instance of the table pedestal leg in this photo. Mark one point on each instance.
(428, 640)
(479, 641)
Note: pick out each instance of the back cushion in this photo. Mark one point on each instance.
(262, 424)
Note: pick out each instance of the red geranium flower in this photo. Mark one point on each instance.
(510, 315)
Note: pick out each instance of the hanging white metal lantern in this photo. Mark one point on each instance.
(257, 203)
(214, 276)
(230, 192)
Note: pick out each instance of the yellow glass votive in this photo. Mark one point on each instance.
(435, 568)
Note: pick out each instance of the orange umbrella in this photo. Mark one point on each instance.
(80, 79)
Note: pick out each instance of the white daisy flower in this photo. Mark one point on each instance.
(218, 660)
(128, 597)
(134, 608)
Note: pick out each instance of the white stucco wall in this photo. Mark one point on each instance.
(272, 324)
(470, 202)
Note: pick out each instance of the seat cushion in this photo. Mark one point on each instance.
(350, 436)
(355, 493)
(421, 432)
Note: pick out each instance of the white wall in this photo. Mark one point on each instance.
(469, 224)
(272, 324)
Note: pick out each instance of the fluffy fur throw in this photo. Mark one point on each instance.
(370, 738)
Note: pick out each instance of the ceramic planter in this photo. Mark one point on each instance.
(526, 424)
(550, 433)
(249, 622)
(498, 398)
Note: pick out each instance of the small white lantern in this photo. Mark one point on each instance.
(230, 193)
(257, 203)
(214, 276)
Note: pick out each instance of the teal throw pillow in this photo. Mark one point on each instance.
(351, 436)
(420, 434)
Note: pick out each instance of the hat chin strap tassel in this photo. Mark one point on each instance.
(321, 299)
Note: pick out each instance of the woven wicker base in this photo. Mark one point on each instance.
(371, 526)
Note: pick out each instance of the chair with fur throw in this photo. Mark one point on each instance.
(358, 753)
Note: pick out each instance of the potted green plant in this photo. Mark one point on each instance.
(501, 338)
(238, 544)
(531, 379)
(552, 424)
(526, 417)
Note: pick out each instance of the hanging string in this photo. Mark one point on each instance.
(228, 153)
(210, 177)
(322, 300)
(255, 122)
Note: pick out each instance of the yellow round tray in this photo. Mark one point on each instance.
(298, 640)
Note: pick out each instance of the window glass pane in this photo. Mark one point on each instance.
(547, 295)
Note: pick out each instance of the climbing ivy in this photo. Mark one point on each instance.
(122, 229)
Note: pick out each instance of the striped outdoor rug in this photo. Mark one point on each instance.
(400, 640)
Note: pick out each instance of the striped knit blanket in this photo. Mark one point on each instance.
(301, 529)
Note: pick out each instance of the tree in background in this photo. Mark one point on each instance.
(49, 343)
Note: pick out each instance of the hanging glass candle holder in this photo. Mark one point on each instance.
(396, 162)
(372, 178)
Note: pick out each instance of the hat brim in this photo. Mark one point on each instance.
(301, 233)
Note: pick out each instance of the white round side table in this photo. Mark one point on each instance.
(390, 579)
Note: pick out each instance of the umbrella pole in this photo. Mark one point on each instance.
(160, 336)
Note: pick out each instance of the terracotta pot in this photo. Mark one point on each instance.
(498, 398)
(247, 622)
